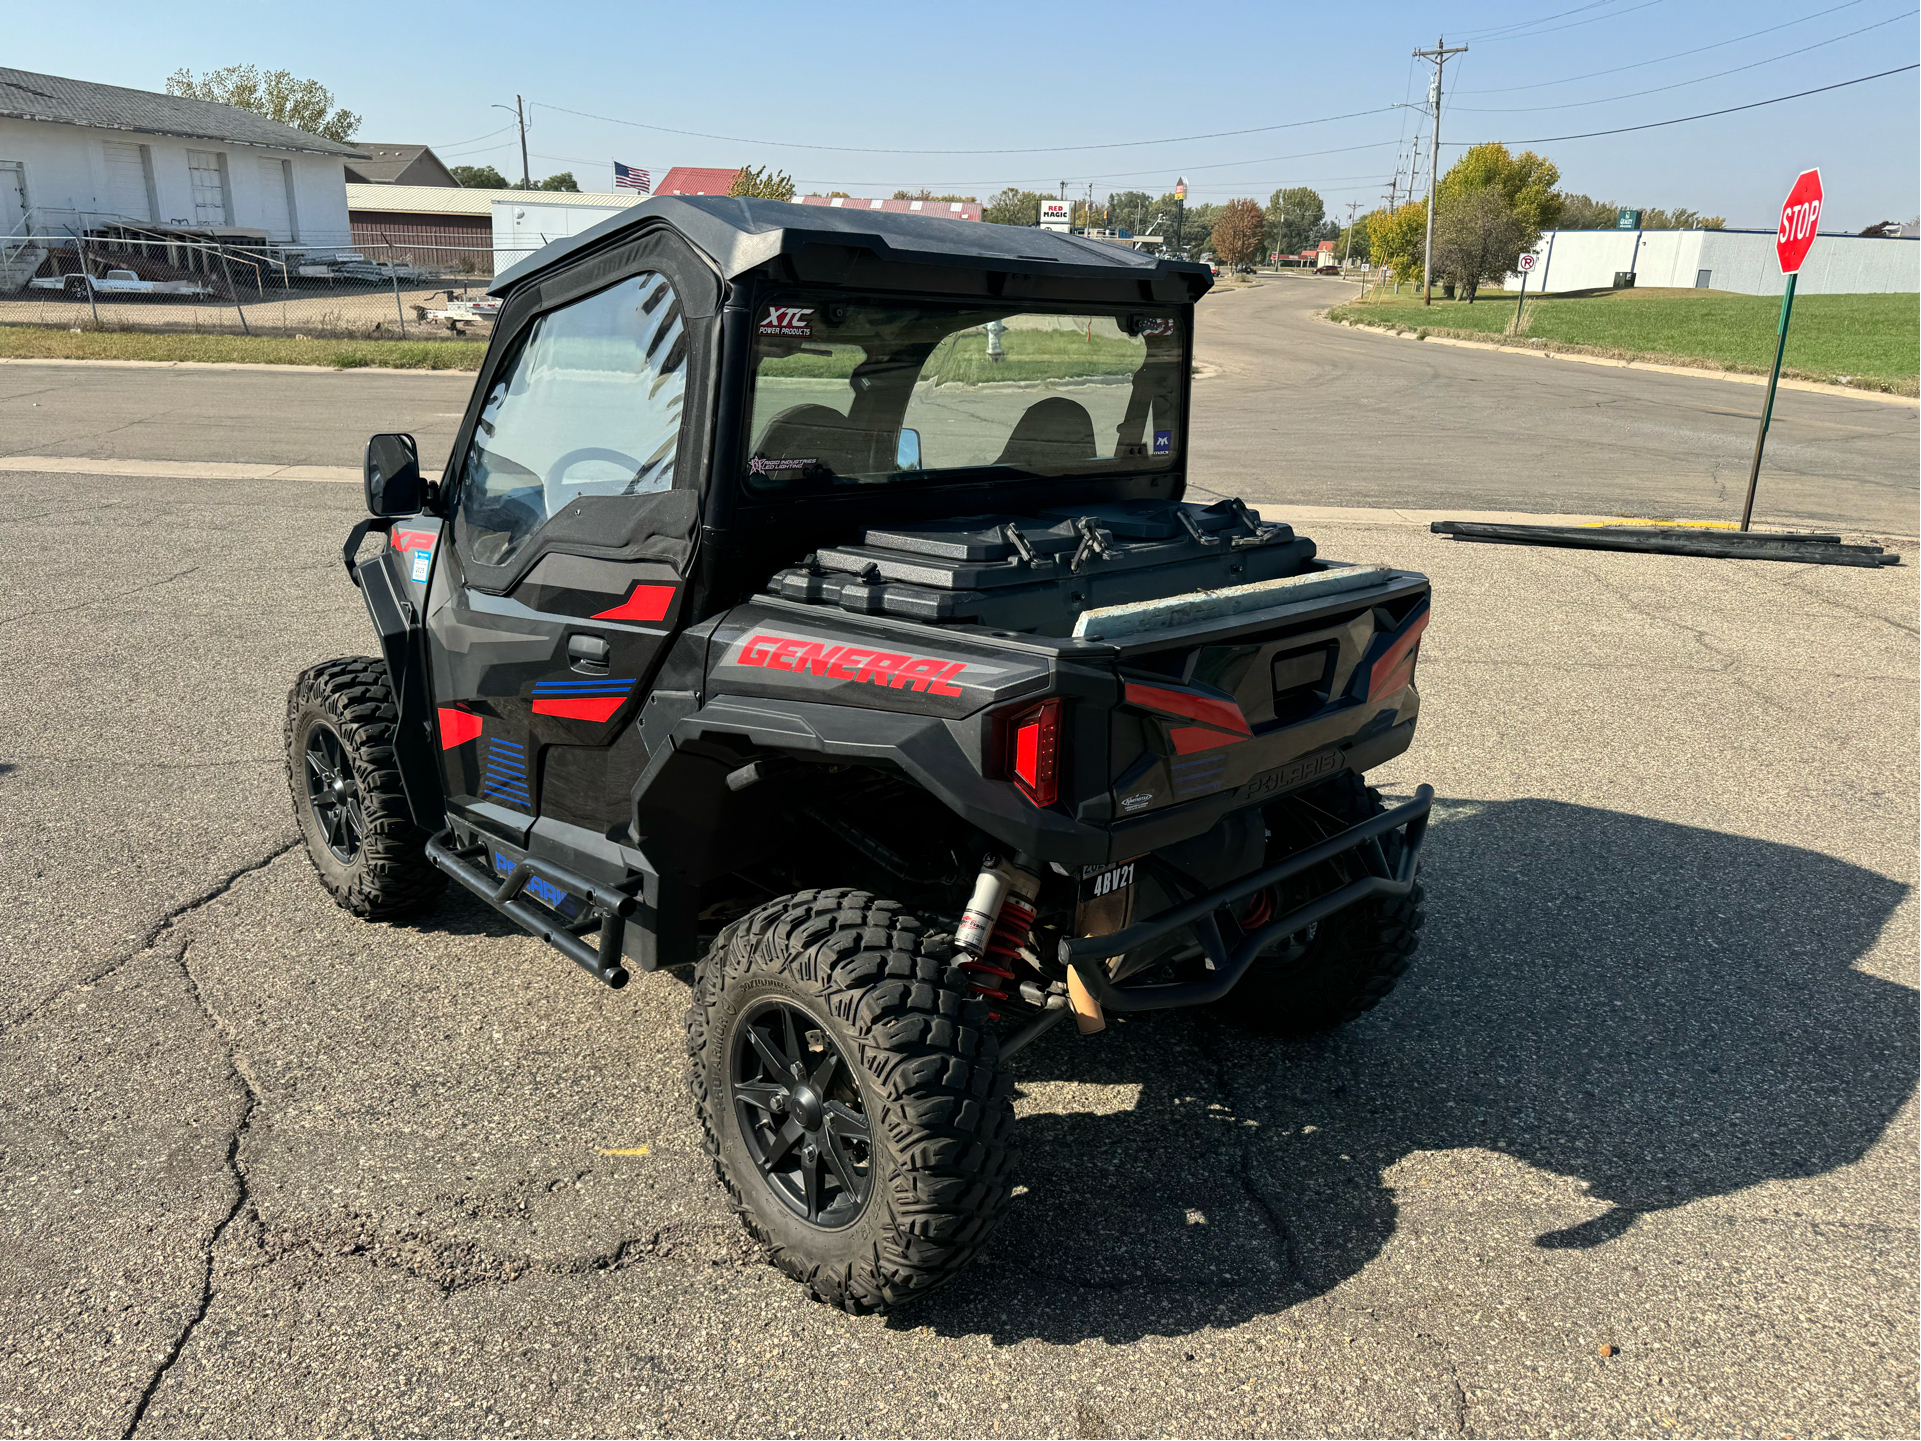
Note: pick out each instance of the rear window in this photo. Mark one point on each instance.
(848, 395)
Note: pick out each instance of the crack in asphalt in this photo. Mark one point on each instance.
(100, 599)
(151, 937)
(1286, 1253)
(242, 1200)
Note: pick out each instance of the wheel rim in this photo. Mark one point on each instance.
(334, 795)
(800, 1114)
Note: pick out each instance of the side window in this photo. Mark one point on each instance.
(590, 406)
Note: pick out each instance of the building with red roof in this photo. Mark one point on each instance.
(695, 180)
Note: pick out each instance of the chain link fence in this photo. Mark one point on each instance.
(113, 279)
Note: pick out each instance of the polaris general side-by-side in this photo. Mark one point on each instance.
(810, 599)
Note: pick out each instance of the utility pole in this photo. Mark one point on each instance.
(1439, 57)
(520, 119)
(1348, 249)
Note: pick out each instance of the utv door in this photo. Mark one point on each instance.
(563, 581)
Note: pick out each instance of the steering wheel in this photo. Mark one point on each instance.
(586, 453)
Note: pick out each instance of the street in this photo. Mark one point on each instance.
(1649, 1085)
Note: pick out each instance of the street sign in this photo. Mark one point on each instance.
(1527, 261)
(1180, 189)
(1800, 213)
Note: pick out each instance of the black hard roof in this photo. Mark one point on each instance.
(739, 233)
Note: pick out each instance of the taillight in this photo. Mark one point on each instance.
(1395, 669)
(1034, 752)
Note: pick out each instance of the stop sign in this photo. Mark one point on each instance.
(1799, 214)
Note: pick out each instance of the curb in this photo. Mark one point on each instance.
(1818, 387)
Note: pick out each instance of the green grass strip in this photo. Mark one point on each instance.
(1869, 341)
(30, 342)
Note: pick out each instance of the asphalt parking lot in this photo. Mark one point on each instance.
(265, 1170)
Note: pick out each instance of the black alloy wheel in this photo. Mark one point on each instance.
(800, 1114)
(334, 795)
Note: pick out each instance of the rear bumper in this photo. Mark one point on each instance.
(1089, 955)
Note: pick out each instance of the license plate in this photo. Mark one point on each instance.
(1106, 899)
(1292, 775)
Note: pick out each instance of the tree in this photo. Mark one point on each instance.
(1582, 212)
(1525, 183)
(1293, 217)
(1478, 237)
(478, 177)
(1353, 242)
(1240, 235)
(562, 181)
(1681, 218)
(304, 104)
(925, 194)
(1397, 238)
(763, 184)
(1197, 228)
(1013, 207)
(1131, 210)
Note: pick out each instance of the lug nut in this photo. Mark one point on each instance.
(778, 1105)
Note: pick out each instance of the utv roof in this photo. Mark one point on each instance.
(740, 234)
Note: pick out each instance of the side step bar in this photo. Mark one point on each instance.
(466, 866)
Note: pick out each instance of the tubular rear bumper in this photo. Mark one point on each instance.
(1088, 954)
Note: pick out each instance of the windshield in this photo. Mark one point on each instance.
(848, 395)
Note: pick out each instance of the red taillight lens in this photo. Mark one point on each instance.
(1396, 668)
(1034, 752)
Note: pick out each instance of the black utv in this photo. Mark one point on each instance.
(810, 600)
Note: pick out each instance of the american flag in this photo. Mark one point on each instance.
(626, 177)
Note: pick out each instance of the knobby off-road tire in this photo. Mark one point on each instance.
(935, 1101)
(370, 855)
(1352, 959)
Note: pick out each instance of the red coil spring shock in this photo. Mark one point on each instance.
(991, 975)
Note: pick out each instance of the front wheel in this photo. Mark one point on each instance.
(850, 1096)
(347, 794)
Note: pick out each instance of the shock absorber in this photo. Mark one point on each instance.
(996, 924)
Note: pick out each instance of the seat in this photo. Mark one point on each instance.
(1051, 433)
(816, 433)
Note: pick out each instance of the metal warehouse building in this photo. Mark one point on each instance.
(1737, 260)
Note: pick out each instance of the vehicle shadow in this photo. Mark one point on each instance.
(1662, 1012)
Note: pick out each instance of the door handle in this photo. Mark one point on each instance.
(588, 654)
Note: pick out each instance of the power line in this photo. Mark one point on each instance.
(1704, 115)
(456, 144)
(1572, 25)
(1024, 150)
(1496, 31)
(1682, 84)
(1677, 55)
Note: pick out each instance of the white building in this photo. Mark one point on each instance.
(1737, 260)
(75, 156)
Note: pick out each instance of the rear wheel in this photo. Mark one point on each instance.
(850, 1096)
(1332, 972)
(347, 794)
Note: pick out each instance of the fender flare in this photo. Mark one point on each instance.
(403, 648)
(925, 749)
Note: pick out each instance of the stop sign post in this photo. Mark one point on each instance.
(1800, 216)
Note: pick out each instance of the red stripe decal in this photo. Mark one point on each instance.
(648, 602)
(1188, 739)
(1385, 667)
(457, 727)
(414, 539)
(1209, 710)
(595, 708)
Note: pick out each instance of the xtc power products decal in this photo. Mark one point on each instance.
(794, 320)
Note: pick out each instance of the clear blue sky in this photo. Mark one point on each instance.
(1002, 76)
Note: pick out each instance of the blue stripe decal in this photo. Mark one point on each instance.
(570, 687)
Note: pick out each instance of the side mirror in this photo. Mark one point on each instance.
(907, 450)
(393, 475)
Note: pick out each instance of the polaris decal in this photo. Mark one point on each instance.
(795, 320)
(933, 675)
